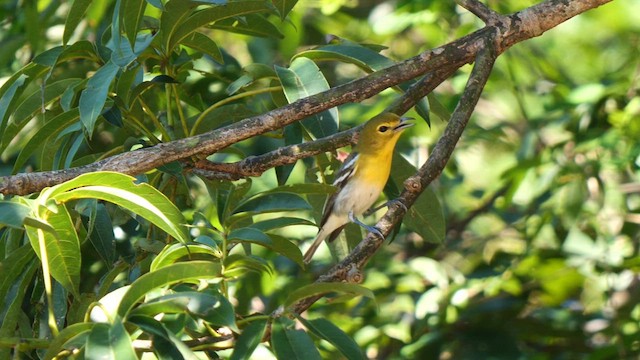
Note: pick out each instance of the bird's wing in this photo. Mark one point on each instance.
(345, 172)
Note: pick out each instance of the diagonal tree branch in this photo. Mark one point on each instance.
(525, 24)
(256, 165)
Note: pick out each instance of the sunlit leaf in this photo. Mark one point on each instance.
(56, 230)
(120, 189)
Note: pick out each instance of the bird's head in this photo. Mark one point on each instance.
(382, 132)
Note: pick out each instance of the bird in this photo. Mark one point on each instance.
(361, 178)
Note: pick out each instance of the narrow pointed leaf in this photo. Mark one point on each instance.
(49, 130)
(273, 202)
(67, 334)
(131, 18)
(249, 340)
(74, 17)
(94, 96)
(326, 330)
(284, 7)
(326, 288)
(210, 15)
(289, 343)
(204, 44)
(184, 252)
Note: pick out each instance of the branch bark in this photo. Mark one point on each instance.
(509, 30)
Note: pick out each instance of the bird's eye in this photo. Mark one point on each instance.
(383, 128)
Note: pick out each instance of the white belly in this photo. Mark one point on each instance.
(361, 198)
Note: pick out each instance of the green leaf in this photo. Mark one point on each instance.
(284, 7)
(289, 343)
(94, 96)
(276, 243)
(109, 341)
(18, 270)
(66, 335)
(250, 24)
(180, 272)
(35, 102)
(252, 73)
(49, 130)
(426, 216)
(101, 235)
(74, 17)
(279, 223)
(236, 265)
(249, 235)
(286, 248)
(272, 202)
(363, 57)
(7, 101)
(142, 199)
(302, 79)
(175, 12)
(326, 288)
(62, 245)
(204, 44)
(184, 252)
(12, 214)
(326, 330)
(210, 15)
(351, 53)
(131, 17)
(249, 340)
(212, 308)
(165, 343)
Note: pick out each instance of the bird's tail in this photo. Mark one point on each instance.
(316, 243)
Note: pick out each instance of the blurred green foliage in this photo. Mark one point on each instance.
(540, 258)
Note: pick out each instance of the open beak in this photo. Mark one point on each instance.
(404, 123)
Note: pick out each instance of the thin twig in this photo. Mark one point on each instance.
(487, 15)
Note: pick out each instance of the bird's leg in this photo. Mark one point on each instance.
(387, 203)
(369, 228)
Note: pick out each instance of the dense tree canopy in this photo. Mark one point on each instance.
(165, 162)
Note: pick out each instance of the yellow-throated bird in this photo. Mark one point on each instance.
(361, 178)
